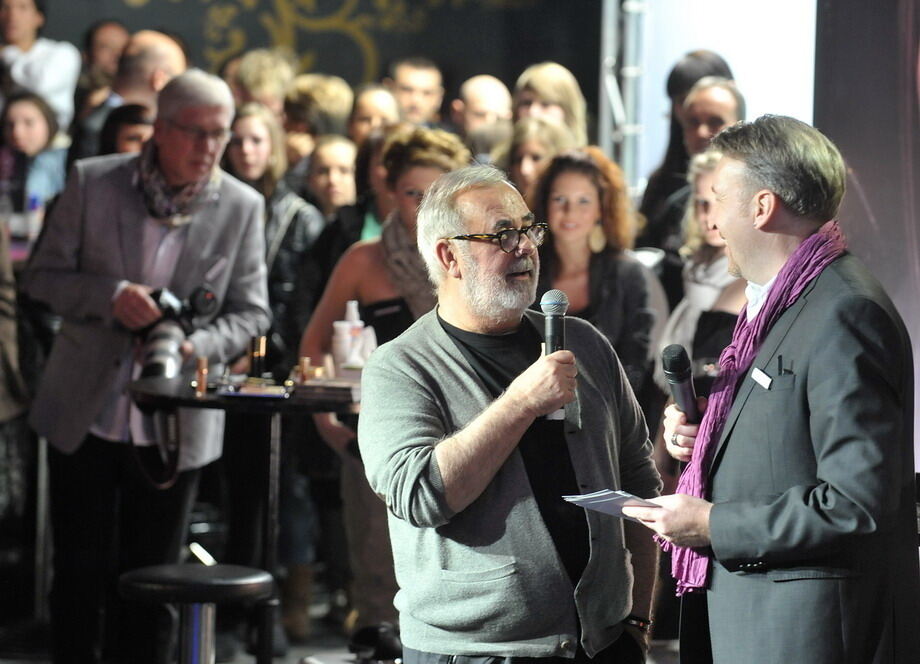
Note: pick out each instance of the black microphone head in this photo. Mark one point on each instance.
(675, 363)
(554, 303)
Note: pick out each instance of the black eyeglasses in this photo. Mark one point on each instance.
(508, 239)
(197, 134)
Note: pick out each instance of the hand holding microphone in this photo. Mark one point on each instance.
(559, 371)
(681, 419)
(546, 385)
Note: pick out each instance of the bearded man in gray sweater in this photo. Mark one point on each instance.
(491, 561)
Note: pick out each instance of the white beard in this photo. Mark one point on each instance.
(494, 298)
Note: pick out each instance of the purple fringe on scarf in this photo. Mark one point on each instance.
(689, 566)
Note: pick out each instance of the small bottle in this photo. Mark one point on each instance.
(257, 348)
(305, 371)
(201, 376)
(356, 324)
(351, 311)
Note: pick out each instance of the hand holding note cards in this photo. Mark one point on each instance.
(609, 502)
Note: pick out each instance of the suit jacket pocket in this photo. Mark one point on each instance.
(782, 382)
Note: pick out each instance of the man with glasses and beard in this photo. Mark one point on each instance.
(490, 560)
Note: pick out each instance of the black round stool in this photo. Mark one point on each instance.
(196, 589)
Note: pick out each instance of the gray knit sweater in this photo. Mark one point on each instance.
(488, 580)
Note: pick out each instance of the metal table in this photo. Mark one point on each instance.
(169, 394)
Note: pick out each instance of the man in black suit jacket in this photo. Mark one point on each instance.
(807, 514)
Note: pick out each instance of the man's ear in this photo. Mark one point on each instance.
(766, 206)
(447, 258)
(158, 79)
(456, 112)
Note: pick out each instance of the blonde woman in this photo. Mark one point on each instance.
(534, 142)
(550, 91)
(704, 319)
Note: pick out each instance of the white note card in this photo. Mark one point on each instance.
(609, 502)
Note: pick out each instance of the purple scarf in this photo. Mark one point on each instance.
(690, 567)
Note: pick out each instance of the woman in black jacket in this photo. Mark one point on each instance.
(256, 155)
(582, 196)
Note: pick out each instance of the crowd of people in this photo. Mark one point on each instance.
(288, 194)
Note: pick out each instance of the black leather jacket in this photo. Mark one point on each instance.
(618, 306)
(291, 227)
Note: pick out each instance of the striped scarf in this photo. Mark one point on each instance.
(171, 206)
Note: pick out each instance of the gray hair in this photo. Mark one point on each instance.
(438, 216)
(193, 88)
(726, 84)
(790, 158)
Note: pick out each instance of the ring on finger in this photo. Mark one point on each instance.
(674, 439)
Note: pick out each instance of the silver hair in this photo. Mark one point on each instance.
(790, 158)
(438, 216)
(193, 88)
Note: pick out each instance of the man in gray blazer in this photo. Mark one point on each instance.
(124, 226)
(802, 512)
(491, 561)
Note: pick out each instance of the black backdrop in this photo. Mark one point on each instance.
(356, 39)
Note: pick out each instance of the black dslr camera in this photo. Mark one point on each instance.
(163, 340)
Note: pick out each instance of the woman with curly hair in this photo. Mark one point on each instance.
(582, 196)
(386, 275)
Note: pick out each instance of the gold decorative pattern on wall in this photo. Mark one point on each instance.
(231, 27)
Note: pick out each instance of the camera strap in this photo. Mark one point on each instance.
(166, 424)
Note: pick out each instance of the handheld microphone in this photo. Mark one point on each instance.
(676, 367)
(554, 304)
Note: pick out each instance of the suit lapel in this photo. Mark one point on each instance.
(764, 357)
(132, 214)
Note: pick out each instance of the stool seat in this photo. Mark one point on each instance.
(191, 584)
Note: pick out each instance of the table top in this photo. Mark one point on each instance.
(170, 393)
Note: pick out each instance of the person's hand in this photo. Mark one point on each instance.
(546, 385)
(641, 638)
(241, 365)
(335, 434)
(681, 519)
(679, 436)
(134, 308)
